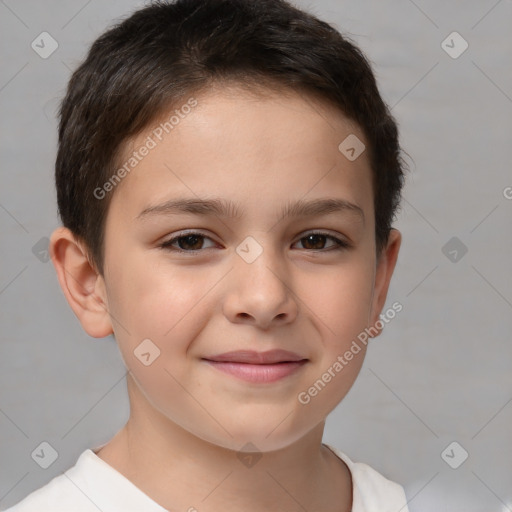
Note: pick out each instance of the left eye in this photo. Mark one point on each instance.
(192, 242)
(316, 239)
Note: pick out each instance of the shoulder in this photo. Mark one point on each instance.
(372, 492)
(59, 495)
(90, 485)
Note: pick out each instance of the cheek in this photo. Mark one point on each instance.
(343, 304)
(342, 301)
(151, 302)
(148, 299)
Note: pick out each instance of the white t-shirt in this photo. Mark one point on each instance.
(92, 485)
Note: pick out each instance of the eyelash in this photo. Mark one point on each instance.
(340, 244)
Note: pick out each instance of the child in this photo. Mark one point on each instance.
(227, 176)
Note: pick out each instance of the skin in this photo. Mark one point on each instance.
(188, 421)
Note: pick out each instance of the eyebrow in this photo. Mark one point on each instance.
(229, 209)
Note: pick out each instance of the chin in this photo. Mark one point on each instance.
(259, 436)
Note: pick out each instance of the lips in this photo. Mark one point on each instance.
(258, 367)
(253, 357)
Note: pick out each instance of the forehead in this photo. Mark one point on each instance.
(235, 142)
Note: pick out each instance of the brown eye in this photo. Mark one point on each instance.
(192, 242)
(186, 243)
(317, 241)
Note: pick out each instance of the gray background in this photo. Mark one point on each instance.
(439, 373)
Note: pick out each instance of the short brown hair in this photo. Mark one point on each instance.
(169, 50)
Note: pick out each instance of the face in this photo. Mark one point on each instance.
(251, 293)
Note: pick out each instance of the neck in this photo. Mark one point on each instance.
(180, 471)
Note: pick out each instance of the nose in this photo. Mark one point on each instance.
(260, 293)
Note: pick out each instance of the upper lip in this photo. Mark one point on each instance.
(253, 357)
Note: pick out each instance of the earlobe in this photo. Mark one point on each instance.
(82, 286)
(385, 267)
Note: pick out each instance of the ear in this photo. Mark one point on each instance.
(384, 270)
(82, 285)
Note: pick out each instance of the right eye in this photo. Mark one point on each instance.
(187, 242)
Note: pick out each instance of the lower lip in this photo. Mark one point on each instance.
(258, 373)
